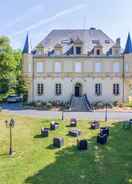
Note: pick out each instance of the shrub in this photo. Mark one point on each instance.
(99, 105)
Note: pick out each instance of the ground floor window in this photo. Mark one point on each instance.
(58, 89)
(40, 89)
(98, 89)
(116, 89)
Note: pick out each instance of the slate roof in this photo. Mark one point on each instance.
(89, 38)
(27, 46)
(128, 48)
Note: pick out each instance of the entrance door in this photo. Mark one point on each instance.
(78, 90)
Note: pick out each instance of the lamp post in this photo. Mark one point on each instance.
(10, 125)
(62, 118)
(106, 112)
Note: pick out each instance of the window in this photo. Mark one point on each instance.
(40, 89)
(116, 89)
(126, 68)
(98, 52)
(29, 67)
(78, 50)
(78, 67)
(39, 67)
(98, 67)
(107, 41)
(98, 89)
(95, 41)
(116, 67)
(58, 89)
(58, 67)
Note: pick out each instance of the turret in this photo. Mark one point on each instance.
(27, 65)
(27, 57)
(128, 47)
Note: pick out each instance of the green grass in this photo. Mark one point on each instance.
(36, 162)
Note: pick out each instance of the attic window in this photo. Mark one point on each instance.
(107, 41)
(98, 52)
(78, 50)
(95, 41)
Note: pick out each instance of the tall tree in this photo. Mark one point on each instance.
(7, 65)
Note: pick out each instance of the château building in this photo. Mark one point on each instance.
(70, 63)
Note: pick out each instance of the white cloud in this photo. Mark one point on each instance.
(28, 13)
(51, 19)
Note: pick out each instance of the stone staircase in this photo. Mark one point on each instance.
(79, 104)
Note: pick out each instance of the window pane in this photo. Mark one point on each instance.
(40, 89)
(58, 89)
(98, 67)
(116, 89)
(98, 89)
(78, 67)
(58, 67)
(29, 67)
(126, 68)
(78, 50)
(39, 67)
(116, 67)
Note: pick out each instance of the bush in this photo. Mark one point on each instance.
(49, 105)
(118, 104)
(99, 105)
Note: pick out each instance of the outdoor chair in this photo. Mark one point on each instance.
(102, 139)
(54, 125)
(104, 130)
(74, 132)
(95, 125)
(73, 122)
(82, 144)
(45, 132)
(58, 142)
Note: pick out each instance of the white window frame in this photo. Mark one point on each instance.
(116, 67)
(57, 67)
(98, 67)
(78, 67)
(39, 67)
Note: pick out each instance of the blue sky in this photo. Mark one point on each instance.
(39, 17)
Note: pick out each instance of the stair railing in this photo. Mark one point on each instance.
(90, 107)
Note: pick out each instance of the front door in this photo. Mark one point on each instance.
(77, 91)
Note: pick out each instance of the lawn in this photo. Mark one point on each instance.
(36, 162)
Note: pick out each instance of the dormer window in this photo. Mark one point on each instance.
(107, 41)
(98, 52)
(95, 41)
(78, 50)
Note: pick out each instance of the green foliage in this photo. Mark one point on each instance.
(10, 69)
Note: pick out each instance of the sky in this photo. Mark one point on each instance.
(39, 17)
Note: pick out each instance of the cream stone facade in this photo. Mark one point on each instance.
(100, 71)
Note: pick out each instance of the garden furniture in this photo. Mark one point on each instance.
(82, 144)
(74, 132)
(58, 142)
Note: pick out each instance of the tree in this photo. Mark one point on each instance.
(7, 65)
(10, 69)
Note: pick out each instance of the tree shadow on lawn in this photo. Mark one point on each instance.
(100, 164)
